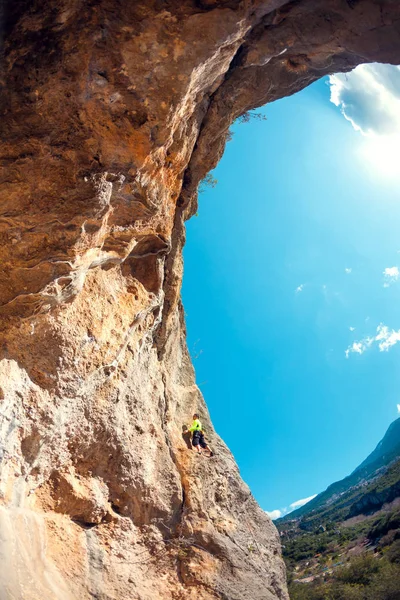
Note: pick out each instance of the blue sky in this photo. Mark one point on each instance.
(298, 243)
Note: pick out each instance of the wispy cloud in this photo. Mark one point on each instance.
(348, 270)
(359, 347)
(281, 512)
(398, 408)
(274, 514)
(301, 502)
(390, 274)
(299, 288)
(385, 338)
(352, 328)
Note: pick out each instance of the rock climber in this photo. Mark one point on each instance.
(198, 441)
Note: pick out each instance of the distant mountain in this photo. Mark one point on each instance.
(387, 449)
(337, 537)
(379, 471)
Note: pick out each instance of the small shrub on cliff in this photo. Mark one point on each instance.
(251, 115)
(208, 182)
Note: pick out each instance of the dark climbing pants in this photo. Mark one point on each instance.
(198, 439)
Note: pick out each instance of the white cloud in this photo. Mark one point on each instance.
(274, 514)
(281, 512)
(359, 347)
(299, 289)
(390, 274)
(348, 270)
(301, 502)
(352, 328)
(398, 408)
(369, 97)
(385, 338)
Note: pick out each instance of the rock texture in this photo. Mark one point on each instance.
(111, 113)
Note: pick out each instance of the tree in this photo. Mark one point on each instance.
(207, 182)
(251, 115)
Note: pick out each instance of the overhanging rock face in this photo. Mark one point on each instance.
(111, 113)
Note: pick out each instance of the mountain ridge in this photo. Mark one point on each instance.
(346, 546)
(386, 451)
(389, 443)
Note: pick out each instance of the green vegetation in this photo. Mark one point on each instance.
(308, 545)
(364, 497)
(345, 544)
(251, 115)
(323, 564)
(382, 529)
(367, 577)
(208, 182)
(385, 524)
(342, 494)
(389, 479)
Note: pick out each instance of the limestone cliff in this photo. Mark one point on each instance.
(111, 113)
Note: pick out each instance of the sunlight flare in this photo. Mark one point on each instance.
(382, 153)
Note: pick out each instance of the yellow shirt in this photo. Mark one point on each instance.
(195, 426)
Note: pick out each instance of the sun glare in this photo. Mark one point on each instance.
(382, 154)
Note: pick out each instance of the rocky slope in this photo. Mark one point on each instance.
(111, 113)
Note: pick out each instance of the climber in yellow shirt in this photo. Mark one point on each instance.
(198, 441)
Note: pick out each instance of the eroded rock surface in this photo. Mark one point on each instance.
(111, 113)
